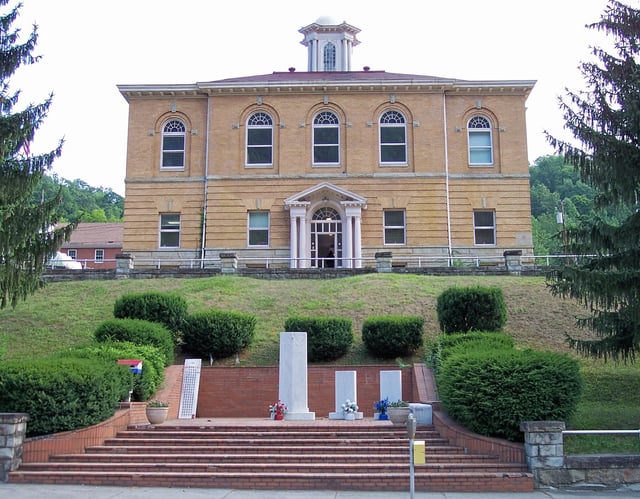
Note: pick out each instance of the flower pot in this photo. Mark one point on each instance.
(398, 415)
(279, 416)
(383, 416)
(157, 415)
(350, 416)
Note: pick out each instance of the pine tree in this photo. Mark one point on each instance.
(605, 121)
(27, 237)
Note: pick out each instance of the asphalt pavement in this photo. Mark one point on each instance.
(28, 491)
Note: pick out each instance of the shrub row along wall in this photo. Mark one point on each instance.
(248, 391)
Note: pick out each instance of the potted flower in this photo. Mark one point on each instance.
(278, 410)
(398, 412)
(157, 411)
(380, 408)
(349, 410)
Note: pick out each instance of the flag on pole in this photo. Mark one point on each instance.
(26, 148)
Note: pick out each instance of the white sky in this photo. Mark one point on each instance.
(90, 46)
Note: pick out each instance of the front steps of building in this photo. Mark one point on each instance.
(360, 455)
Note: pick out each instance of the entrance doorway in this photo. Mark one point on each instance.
(326, 239)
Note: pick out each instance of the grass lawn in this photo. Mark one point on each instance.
(64, 315)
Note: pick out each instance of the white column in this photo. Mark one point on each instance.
(357, 241)
(293, 242)
(347, 243)
(304, 242)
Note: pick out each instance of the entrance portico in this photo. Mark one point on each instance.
(325, 227)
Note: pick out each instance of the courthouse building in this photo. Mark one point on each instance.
(328, 166)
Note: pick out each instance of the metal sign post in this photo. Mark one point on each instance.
(411, 431)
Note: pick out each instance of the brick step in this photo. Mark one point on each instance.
(424, 481)
(358, 455)
(270, 435)
(279, 427)
(258, 442)
(269, 467)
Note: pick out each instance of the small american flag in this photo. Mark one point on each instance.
(26, 148)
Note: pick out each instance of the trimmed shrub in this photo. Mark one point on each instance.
(328, 338)
(62, 394)
(391, 336)
(475, 308)
(140, 332)
(144, 385)
(492, 392)
(218, 333)
(443, 346)
(166, 308)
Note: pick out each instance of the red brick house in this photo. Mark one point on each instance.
(95, 245)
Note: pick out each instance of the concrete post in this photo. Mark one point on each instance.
(543, 447)
(229, 263)
(383, 261)
(124, 265)
(13, 428)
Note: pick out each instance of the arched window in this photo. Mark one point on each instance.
(260, 139)
(329, 57)
(173, 144)
(480, 141)
(326, 139)
(393, 138)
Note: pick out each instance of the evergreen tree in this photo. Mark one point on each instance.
(605, 121)
(27, 238)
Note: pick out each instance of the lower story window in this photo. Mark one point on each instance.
(72, 253)
(394, 227)
(170, 230)
(484, 227)
(99, 256)
(258, 228)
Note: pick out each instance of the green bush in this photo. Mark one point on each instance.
(62, 394)
(166, 308)
(146, 384)
(218, 333)
(439, 348)
(328, 338)
(140, 332)
(492, 392)
(474, 308)
(391, 336)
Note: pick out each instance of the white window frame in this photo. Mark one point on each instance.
(322, 121)
(388, 120)
(477, 227)
(259, 121)
(171, 130)
(253, 217)
(169, 224)
(395, 228)
(98, 256)
(329, 57)
(475, 132)
(73, 253)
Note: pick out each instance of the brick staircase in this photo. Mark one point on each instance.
(360, 455)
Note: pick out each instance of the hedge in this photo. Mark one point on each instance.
(218, 333)
(492, 392)
(168, 309)
(391, 336)
(475, 308)
(62, 394)
(140, 332)
(328, 338)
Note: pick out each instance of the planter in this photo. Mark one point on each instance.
(279, 416)
(349, 416)
(398, 415)
(157, 415)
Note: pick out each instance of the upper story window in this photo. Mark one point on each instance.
(173, 144)
(394, 227)
(326, 139)
(484, 227)
(329, 57)
(393, 139)
(170, 230)
(260, 140)
(480, 141)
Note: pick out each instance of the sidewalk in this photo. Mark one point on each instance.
(89, 492)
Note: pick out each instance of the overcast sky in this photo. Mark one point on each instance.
(89, 46)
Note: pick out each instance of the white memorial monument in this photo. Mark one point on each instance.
(292, 389)
(391, 385)
(345, 389)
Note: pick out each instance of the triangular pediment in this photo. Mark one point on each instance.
(326, 191)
